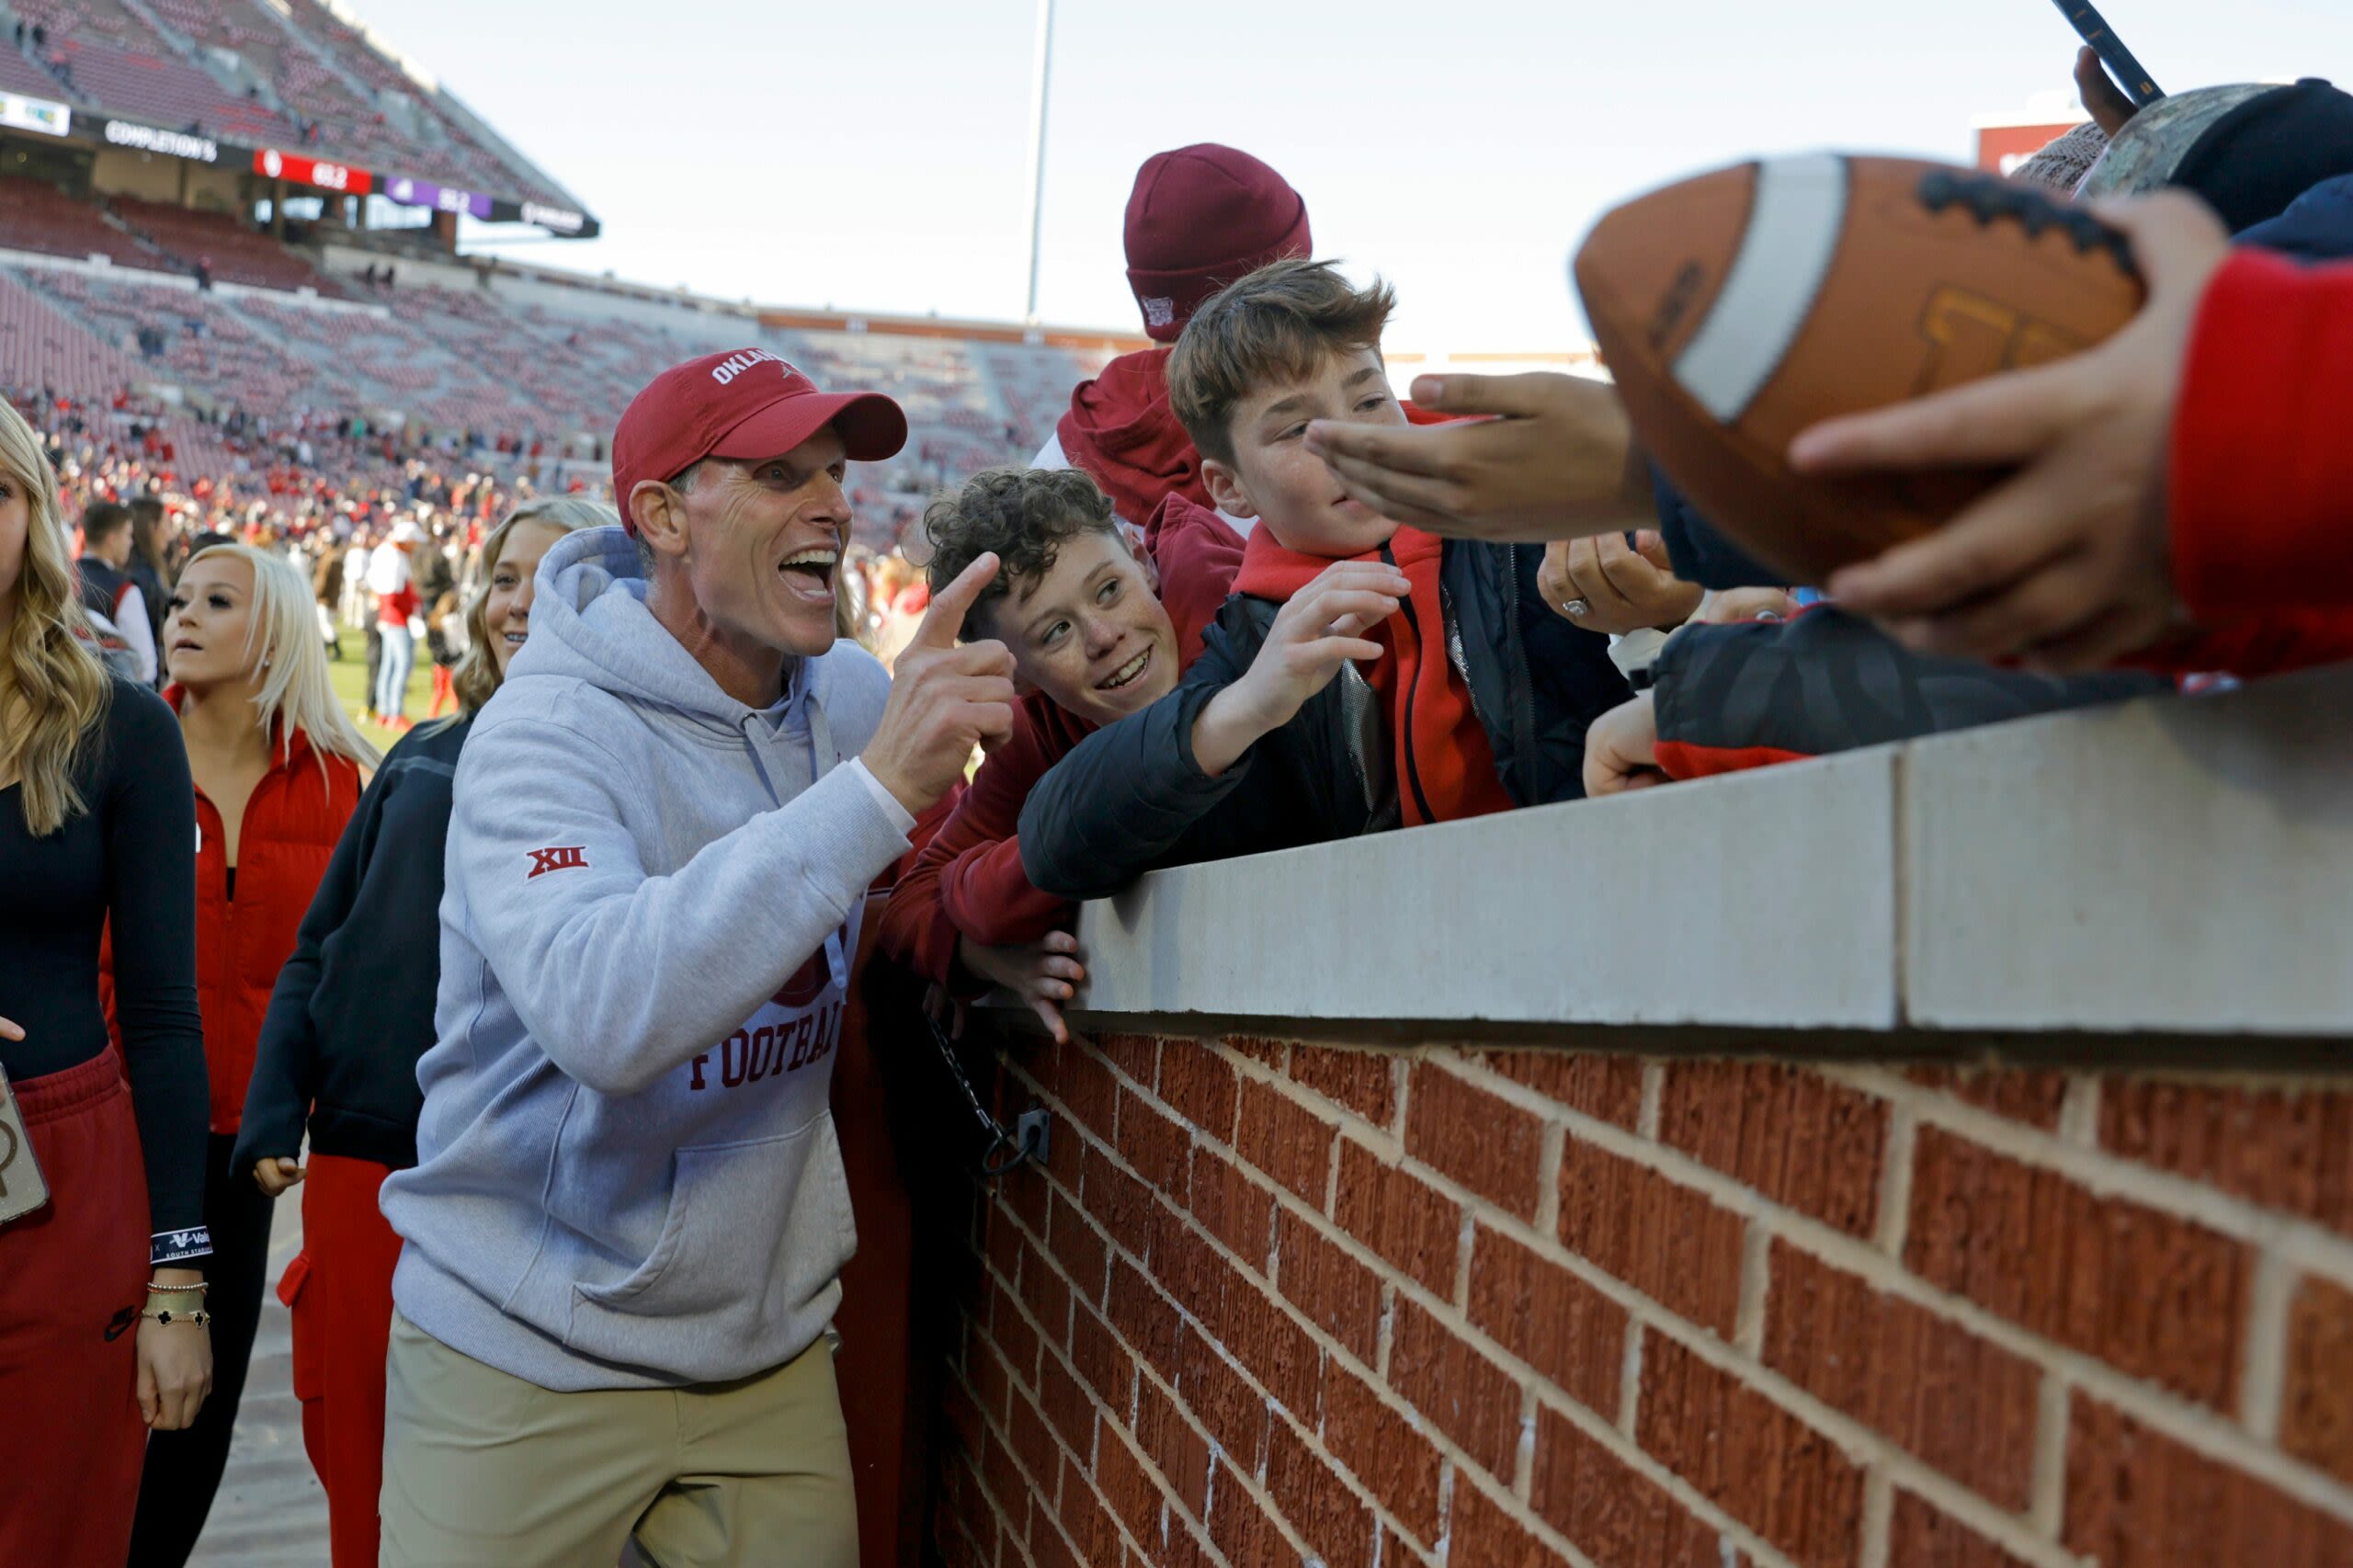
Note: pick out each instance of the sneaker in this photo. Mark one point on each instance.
(403, 726)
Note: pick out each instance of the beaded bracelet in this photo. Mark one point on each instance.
(168, 1317)
(199, 1289)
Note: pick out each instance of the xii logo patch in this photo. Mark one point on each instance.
(564, 858)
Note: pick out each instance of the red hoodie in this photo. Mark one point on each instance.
(1446, 767)
(1122, 432)
(968, 881)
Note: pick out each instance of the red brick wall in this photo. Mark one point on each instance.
(1272, 1303)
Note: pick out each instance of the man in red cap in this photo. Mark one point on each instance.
(628, 1211)
(1198, 218)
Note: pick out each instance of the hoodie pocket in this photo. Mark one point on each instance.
(754, 1233)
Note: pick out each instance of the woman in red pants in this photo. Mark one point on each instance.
(352, 1012)
(103, 1335)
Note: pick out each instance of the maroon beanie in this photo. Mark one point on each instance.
(1200, 218)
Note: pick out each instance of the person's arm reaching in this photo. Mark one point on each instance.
(2064, 564)
(1555, 459)
(1741, 695)
(1317, 631)
(2261, 495)
(1176, 783)
(988, 897)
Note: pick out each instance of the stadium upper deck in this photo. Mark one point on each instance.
(139, 138)
(261, 75)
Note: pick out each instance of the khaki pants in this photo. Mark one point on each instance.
(482, 1470)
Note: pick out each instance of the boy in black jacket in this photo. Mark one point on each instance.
(1364, 677)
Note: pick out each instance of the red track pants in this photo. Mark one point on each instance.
(340, 1289)
(73, 1279)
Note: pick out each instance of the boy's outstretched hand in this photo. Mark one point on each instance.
(1320, 630)
(1045, 974)
(2064, 565)
(1556, 461)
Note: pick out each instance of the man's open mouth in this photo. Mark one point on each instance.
(810, 572)
(1128, 674)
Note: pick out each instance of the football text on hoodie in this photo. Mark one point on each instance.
(626, 1175)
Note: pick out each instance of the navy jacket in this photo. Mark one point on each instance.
(1130, 798)
(2317, 225)
(353, 1007)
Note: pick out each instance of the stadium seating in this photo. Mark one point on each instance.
(462, 161)
(36, 216)
(465, 368)
(310, 81)
(238, 253)
(41, 347)
(103, 53)
(19, 74)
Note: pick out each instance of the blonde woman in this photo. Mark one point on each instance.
(95, 820)
(352, 1012)
(278, 771)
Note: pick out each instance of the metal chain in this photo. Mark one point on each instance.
(1000, 1141)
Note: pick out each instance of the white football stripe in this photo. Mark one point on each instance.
(1792, 235)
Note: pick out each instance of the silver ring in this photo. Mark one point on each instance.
(1576, 610)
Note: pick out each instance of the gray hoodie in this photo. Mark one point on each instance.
(627, 1176)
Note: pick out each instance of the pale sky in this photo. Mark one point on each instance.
(873, 155)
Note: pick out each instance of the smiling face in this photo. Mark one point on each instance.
(209, 636)
(506, 607)
(760, 545)
(1274, 477)
(1089, 632)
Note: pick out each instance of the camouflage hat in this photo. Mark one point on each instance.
(2248, 149)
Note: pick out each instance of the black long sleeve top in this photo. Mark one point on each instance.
(353, 1007)
(130, 858)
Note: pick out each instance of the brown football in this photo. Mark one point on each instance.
(1739, 307)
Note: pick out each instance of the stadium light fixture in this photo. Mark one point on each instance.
(1039, 87)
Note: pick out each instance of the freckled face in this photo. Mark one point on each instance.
(1090, 633)
(1277, 480)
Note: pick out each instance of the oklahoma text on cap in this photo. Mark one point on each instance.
(743, 402)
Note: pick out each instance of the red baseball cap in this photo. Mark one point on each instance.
(741, 402)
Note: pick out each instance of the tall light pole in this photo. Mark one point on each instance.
(1038, 148)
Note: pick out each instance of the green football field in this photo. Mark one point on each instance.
(350, 675)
